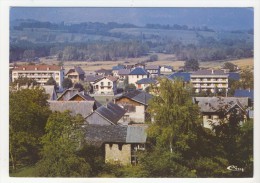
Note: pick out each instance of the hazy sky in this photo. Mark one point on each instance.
(219, 18)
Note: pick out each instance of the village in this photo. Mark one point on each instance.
(114, 102)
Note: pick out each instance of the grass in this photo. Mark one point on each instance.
(28, 171)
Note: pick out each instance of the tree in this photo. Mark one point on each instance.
(23, 81)
(247, 78)
(228, 65)
(28, 115)
(67, 83)
(153, 58)
(191, 64)
(63, 138)
(51, 81)
(78, 86)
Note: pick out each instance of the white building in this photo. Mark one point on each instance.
(153, 70)
(209, 80)
(40, 73)
(136, 75)
(106, 85)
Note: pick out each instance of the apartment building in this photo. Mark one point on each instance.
(209, 80)
(40, 73)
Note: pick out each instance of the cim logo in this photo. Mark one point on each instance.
(235, 168)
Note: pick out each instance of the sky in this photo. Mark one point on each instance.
(217, 18)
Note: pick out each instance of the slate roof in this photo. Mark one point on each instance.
(76, 107)
(234, 76)
(244, 93)
(185, 76)
(152, 67)
(112, 112)
(209, 72)
(98, 135)
(138, 71)
(146, 81)
(138, 96)
(124, 71)
(67, 94)
(214, 104)
(105, 71)
(37, 68)
(167, 66)
(82, 95)
(93, 78)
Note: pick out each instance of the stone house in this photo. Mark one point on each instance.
(135, 103)
(215, 109)
(120, 143)
(106, 85)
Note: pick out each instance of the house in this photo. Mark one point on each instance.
(103, 72)
(214, 109)
(142, 84)
(106, 85)
(109, 114)
(123, 74)
(93, 78)
(184, 76)
(153, 70)
(73, 94)
(84, 108)
(120, 143)
(115, 70)
(40, 73)
(50, 90)
(166, 69)
(209, 80)
(76, 74)
(135, 103)
(137, 74)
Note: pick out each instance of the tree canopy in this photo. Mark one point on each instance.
(67, 83)
(62, 140)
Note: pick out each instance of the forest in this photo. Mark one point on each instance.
(91, 41)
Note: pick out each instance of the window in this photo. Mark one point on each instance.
(137, 76)
(102, 83)
(109, 83)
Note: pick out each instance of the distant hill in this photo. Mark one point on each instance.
(215, 18)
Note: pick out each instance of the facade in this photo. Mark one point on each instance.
(120, 143)
(40, 73)
(106, 85)
(214, 109)
(76, 74)
(135, 103)
(209, 80)
(136, 75)
(153, 70)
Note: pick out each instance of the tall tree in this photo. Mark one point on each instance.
(28, 115)
(61, 142)
(191, 64)
(51, 81)
(67, 83)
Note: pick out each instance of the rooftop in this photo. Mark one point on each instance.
(37, 68)
(185, 76)
(146, 81)
(209, 72)
(138, 71)
(244, 93)
(138, 96)
(124, 71)
(152, 67)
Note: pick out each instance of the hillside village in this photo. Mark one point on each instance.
(114, 102)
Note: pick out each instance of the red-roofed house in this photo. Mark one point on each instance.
(40, 73)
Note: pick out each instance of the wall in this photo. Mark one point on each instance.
(114, 155)
(132, 79)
